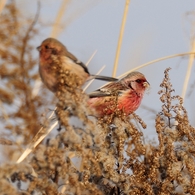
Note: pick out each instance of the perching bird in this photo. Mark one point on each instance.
(124, 95)
(51, 50)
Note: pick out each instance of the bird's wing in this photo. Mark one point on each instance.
(108, 90)
(114, 86)
(76, 61)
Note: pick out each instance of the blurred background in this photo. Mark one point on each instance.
(153, 29)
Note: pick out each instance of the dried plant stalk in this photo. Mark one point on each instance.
(189, 69)
(120, 38)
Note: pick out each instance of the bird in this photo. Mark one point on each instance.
(52, 51)
(124, 95)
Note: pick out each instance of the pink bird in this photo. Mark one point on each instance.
(51, 50)
(124, 95)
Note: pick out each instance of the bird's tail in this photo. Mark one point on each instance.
(103, 78)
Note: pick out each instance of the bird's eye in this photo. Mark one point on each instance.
(138, 81)
(46, 47)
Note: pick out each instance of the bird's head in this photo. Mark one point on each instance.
(51, 46)
(136, 81)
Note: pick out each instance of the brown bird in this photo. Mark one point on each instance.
(52, 49)
(124, 95)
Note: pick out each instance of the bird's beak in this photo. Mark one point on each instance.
(146, 85)
(39, 48)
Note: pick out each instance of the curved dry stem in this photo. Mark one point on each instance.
(157, 60)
